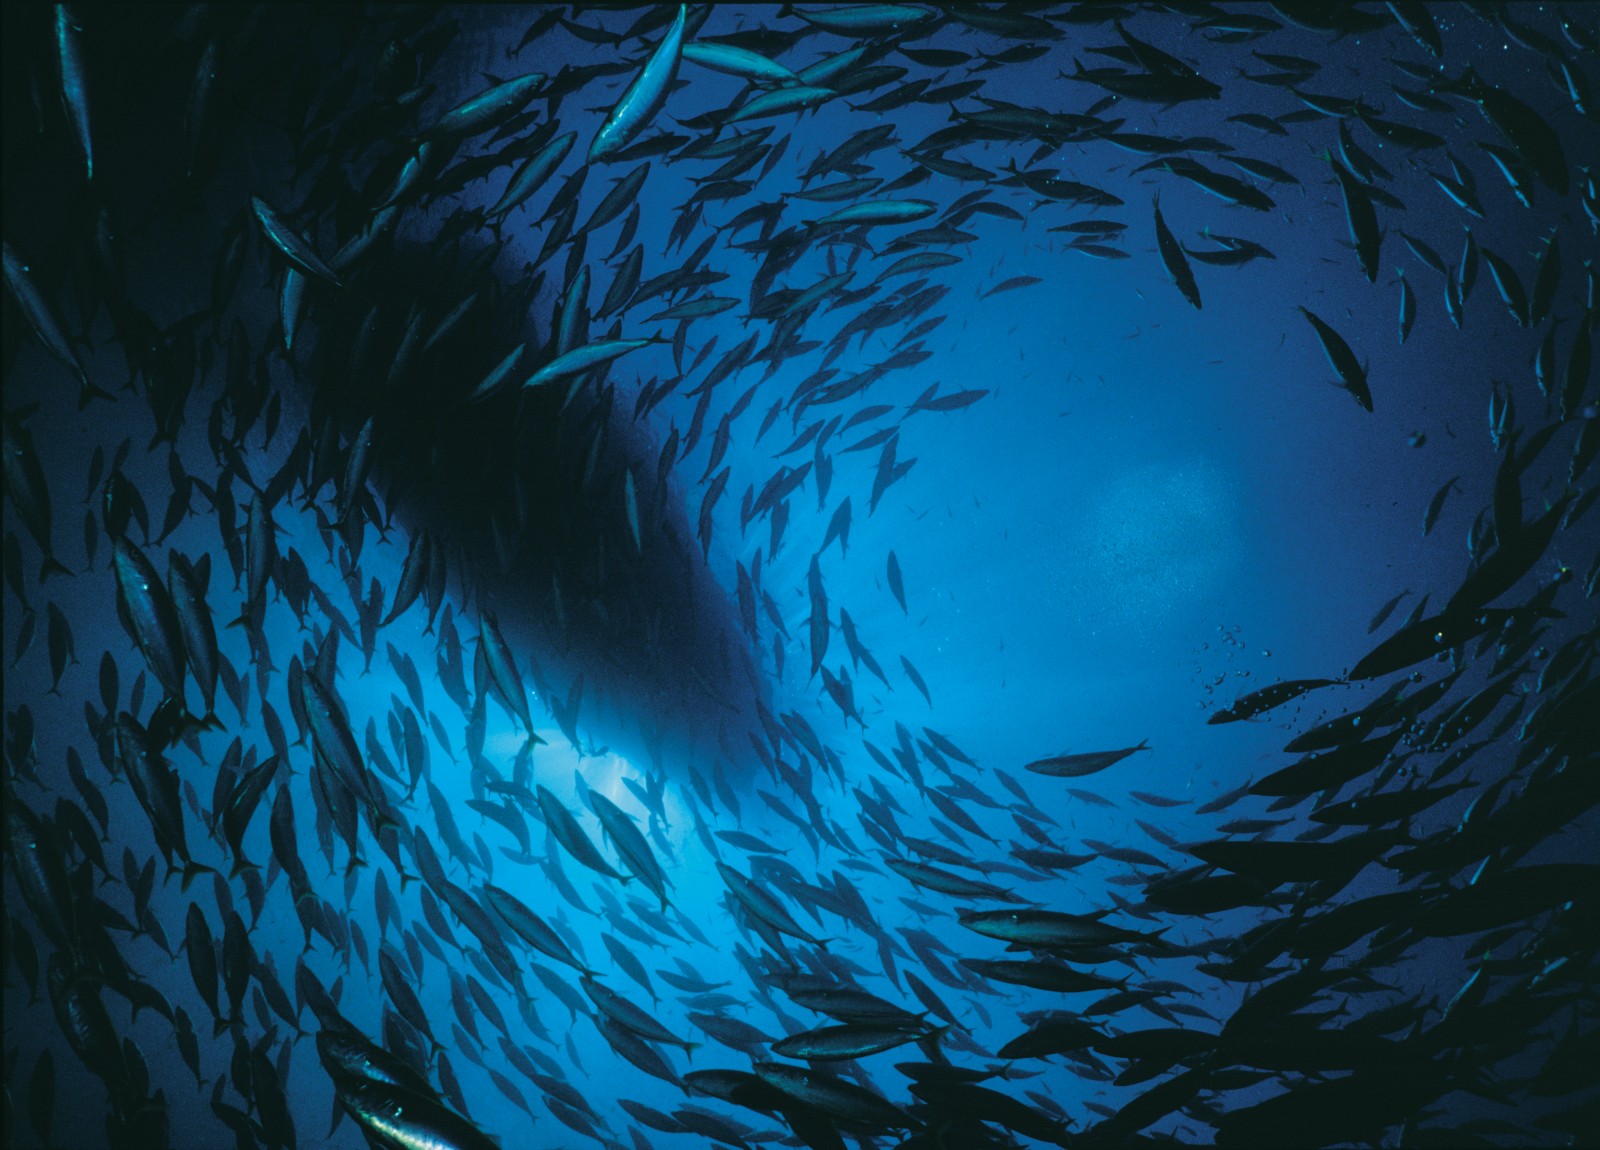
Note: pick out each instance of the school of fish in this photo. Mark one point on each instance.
(412, 370)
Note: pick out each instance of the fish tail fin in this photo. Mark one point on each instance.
(52, 566)
(88, 391)
(221, 1026)
(190, 871)
(382, 822)
(240, 865)
(405, 878)
(336, 1117)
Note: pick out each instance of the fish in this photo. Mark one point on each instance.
(581, 359)
(405, 1117)
(484, 111)
(1423, 639)
(294, 247)
(847, 1041)
(1352, 375)
(865, 17)
(1419, 24)
(1506, 281)
(239, 808)
(837, 1099)
(1289, 861)
(1436, 504)
(74, 83)
(1265, 699)
(155, 785)
(645, 96)
(1040, 975)
(333, 739)
(29, 493)
(874, 212)
(733, 60)
(1363, 221)
(1050, 930)
(1408, 307)
(760, 905)
(631, 845)
(1235, 251)
(1076, 766)
(152, 616)
(1173, 258)
(1510, 561)
(46, 327)
(60, 645)
(1219, 184)
(1383, 613)
(946, 882)
(567, 831)
(896, 582)
(1165, 88)
(187, 585)
(630, 1017)
(532, 175)
(820, 626)
(503, 674)
(1529, 134)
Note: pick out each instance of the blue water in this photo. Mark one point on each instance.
(1153, 510)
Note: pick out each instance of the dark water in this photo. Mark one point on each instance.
(802, 585)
